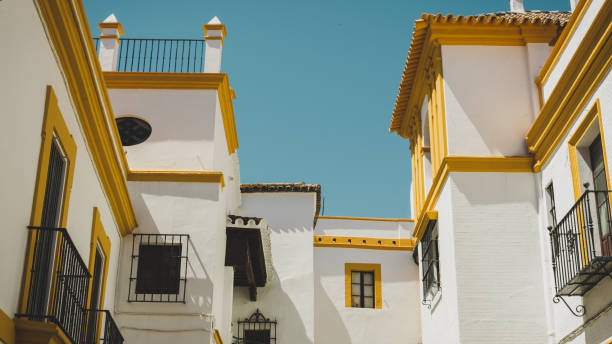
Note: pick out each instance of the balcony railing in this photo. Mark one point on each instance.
(108, 334)
(159, 55)
(58, 289)
(581, 245)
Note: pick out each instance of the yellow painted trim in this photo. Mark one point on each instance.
(7, 328)
(214, 27)
(579, 81)
(363, 243)
(30, 331)
(117, 26)
(421, 226)
(177, 176)
(562, 41)
(53, 126)
(466, 164)
(181, 81)
(98, 238)
(593, 115)
(218, 339)
(348, 267)
(363, 218)
(111, 37)
(69, 34)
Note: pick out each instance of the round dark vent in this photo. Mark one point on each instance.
(133, 130)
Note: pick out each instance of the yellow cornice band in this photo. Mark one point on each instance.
(176, 176)
(111, 26)
(363, 243)
(421, 226)
(587, 68)
(363, 218)
(214, 27)
(182, 81)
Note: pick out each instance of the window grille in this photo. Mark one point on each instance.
(158, 271)
(256, 329)
(430, 263)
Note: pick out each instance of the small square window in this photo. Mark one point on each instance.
(159, 269)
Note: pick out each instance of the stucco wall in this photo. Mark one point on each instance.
(289, 297)
(28, 66)
(571, 47)
(557, 170)
(361, 228)
(488, 99)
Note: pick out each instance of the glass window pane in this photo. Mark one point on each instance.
(355, 301)
(368, 278)
(368, 290)
(368, 302)
(355, 289)
(355, 277)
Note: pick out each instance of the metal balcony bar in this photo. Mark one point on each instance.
(59, 282)
(108, 334)
(580, 245)
(159, 55)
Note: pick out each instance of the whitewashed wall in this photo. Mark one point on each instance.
(289, 297)
(28, 66)
(557, 169)
(571, 47)
(399, 320)
(488, 97)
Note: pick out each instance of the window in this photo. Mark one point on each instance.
(257, 336)
(133, 130)
(362, 289)
(100, 246)
(256, 329)
(159, 267)
(430, 262)
(550, 202)
(363, 285)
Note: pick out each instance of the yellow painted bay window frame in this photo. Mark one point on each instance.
(348, 268)
(53, 126)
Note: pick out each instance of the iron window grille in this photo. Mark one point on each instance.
(158, 271)
(56, 260)
(256, 329)
(430, 263)
(362, 289)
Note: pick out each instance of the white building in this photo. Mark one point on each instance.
(507, 116)
(125, 219)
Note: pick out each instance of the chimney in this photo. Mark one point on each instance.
(111, 30)
(517, 6)
(214, 32)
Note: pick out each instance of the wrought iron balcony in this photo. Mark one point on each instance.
(581, 245)
(108, 334)
(159, 55)
(58, 289)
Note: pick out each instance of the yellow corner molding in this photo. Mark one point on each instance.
(183, 81)
(364, 218)
(348, 267)
(30, 331)
(421, 226)
(363, 243)
(176, 176)
(69, 34)
(217, 336)
(7, 328)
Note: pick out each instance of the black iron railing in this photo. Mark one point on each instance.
(580, 245)
(159, 55)
(256, 329)
(101, 328)
(59, 282)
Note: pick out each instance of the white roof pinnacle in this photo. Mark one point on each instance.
(215, 20)
(112, 19)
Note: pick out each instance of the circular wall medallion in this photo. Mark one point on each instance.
(133, 130)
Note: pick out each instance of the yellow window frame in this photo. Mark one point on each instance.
(98, 239)
(348, 268)
(53, 126)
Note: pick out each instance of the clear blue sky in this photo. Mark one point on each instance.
(316, 83)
